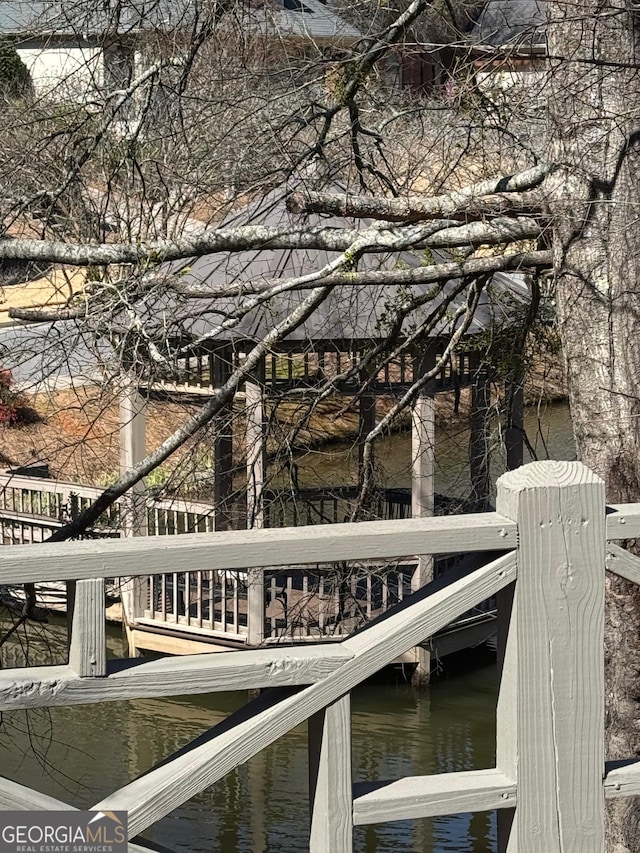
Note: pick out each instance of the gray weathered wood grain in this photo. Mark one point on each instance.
(507, 706)
(21, 798)
(559, 708)
(426, 796)
(622, 563)
(236, 550)
(44, 686)
(330, 784)
(623, 521)
(88, 649)
(622, 779)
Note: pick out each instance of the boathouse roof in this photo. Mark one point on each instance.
(349, 313)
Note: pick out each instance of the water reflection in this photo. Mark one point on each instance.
(549, 436)
(80, 754)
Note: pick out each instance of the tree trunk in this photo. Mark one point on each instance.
(594, 199)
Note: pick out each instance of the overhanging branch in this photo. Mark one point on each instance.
(490, 197)
(367, 278)
(517, 262)
(260, 237)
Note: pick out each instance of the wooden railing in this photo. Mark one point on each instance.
(337, 504)
(298, 604)
(52, 502)
(332, 505)
(550, 772)
(294, 367)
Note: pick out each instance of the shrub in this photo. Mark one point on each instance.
(15, 79)
(13, 409)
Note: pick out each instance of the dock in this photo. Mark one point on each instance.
(204, 610)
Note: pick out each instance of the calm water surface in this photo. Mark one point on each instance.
(548, 431)
(81, 754)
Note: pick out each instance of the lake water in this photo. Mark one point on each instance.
(80, 754)
(548, 430)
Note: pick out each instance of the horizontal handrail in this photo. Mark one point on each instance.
(229, 550)
(65, 489)
(623, 521)
(45, 686)
(9, 516)
(428, 796)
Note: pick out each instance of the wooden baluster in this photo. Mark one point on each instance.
(330, 782)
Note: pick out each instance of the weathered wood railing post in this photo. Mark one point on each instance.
(88, 648)
(330, 784)
(133, 508)
(551, 702)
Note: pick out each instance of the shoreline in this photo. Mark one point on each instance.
(78, 436)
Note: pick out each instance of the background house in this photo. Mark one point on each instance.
(509, 50)
(512, 23)
(72, 48)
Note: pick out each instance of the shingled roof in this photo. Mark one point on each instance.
(350, 313)
(311, 18)
(511, 22)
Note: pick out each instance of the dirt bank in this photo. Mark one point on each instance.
(78, 438)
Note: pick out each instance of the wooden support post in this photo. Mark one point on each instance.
(423, 438)
(223, 448)
(551, 706)
(133, 449)
(133, 507)
(479, 441)
(256, 443)
(88, 650)
(423, 444)
(506, 746)
(330, 782)
(255, 606)
(514, 428)
(366, 422)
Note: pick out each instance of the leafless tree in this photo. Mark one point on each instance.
(197, 130)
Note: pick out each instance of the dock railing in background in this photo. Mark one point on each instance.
(49, 503)
(324, 602)
(550, 779)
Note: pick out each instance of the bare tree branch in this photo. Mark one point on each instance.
(259, 237)
(493, 196)
(541, 259)
(366, 278)
(44, 315)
